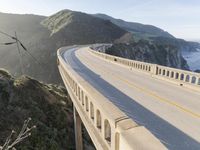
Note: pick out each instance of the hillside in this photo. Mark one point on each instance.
(152, 33)
(48, 105)
(162, 54)
(44, 35)
(82, 28)
(157, 36)
(36, 38)
(139, 30)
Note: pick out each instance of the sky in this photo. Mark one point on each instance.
(179, 17)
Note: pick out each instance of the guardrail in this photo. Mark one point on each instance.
(183, 78)
(108, 127)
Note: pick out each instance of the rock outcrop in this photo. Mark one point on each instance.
(162, 54)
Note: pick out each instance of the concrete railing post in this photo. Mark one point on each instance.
(154, 69)
(180, 76)
(197, 81)
(78, 130)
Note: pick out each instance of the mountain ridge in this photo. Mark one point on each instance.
(152, 33)
(44, 35)
(74, 22)
(40, 41)
(136, 27)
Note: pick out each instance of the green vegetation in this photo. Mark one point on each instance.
(48, 105)
(58, 21)
(81, 28)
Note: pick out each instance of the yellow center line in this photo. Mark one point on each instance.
(145, 91)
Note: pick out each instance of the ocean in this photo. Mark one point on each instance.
(193, 60)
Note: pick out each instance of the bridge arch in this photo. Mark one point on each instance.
(177, 75)
(168, 73)
(86, 103)
(107, 131)
(156, 70)
(98, 121)
(194, 80)
(79, 93)
(91, 111)
(82, 98)
(182, 77)
(163, 72)
(172, 74)
(149, 68)
(187, 78)
(160, 71)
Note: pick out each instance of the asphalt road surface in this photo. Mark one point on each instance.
(169, 111)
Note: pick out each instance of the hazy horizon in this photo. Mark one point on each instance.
(181, 19)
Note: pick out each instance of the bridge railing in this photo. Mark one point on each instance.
(146, 67)
(108, 126)
(184, 78)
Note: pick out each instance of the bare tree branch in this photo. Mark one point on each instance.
(24, 133)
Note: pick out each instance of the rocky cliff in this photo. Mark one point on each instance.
(162, 54)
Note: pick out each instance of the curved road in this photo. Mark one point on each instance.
(169, 111)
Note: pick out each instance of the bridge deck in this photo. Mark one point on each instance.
(169, 111)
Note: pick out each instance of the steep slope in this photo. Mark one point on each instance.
(151, 33)
(36, 38)
(82, 28)
(138, 29)
(157, 36)
(43, 36)
(163, 54)
(48, 105)
(184, 46)
(193, 59)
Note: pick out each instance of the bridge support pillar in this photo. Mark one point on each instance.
(78, 130)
